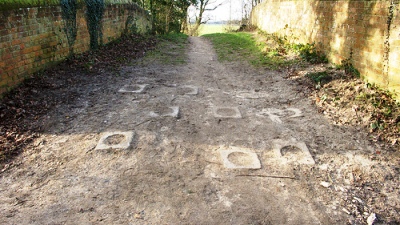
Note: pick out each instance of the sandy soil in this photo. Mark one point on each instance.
(176, 169)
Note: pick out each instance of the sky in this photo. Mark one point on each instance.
(230, 9)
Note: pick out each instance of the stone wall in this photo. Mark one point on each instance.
(366, 32)
(31, 39)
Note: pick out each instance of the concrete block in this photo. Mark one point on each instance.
(227, 112)
(236, 158)
(115, 140)
(133, 88)
(252, 94)
(292, 151)
(276, 114)
(188, 90)
(170, 111)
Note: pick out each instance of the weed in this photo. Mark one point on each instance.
(89, 65)
(377, 125)
(273, 53)
(323, 98)
(362, 96)
(319, 77)
(309, 53)
(349, 69)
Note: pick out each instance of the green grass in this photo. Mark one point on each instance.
(216, 28)
(242, 46)
(170, 49)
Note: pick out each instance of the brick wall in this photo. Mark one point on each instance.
(32, 39)
(370, 30)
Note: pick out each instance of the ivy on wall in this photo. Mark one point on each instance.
(94, 16)
(68, 10)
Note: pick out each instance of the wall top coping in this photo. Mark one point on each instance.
(17, 4)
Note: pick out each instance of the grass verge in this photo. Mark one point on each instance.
(242, 46)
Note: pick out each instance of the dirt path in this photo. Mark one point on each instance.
(174, 172)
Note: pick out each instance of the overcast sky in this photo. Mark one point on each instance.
(230, 9)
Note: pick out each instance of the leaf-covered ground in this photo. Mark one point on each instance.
(21, 108)
(358, 103)
(350, 101)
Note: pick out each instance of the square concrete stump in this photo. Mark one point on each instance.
(236, 158)
(115, 140)
(276, 114)
(170, 111)
(227, 112)
(251, 94)
(133, 88)
(188, 90)
(292, 151)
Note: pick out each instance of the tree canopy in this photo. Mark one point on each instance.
(168, 15)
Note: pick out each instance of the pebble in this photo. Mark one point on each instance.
(359, 200)
(346, 211)
(323, 167)
(371, 219)
(325, 184)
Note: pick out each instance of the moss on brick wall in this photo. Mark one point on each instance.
(365, 32)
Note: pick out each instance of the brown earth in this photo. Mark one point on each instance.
(173, 171)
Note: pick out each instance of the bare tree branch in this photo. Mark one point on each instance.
(211, 9)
